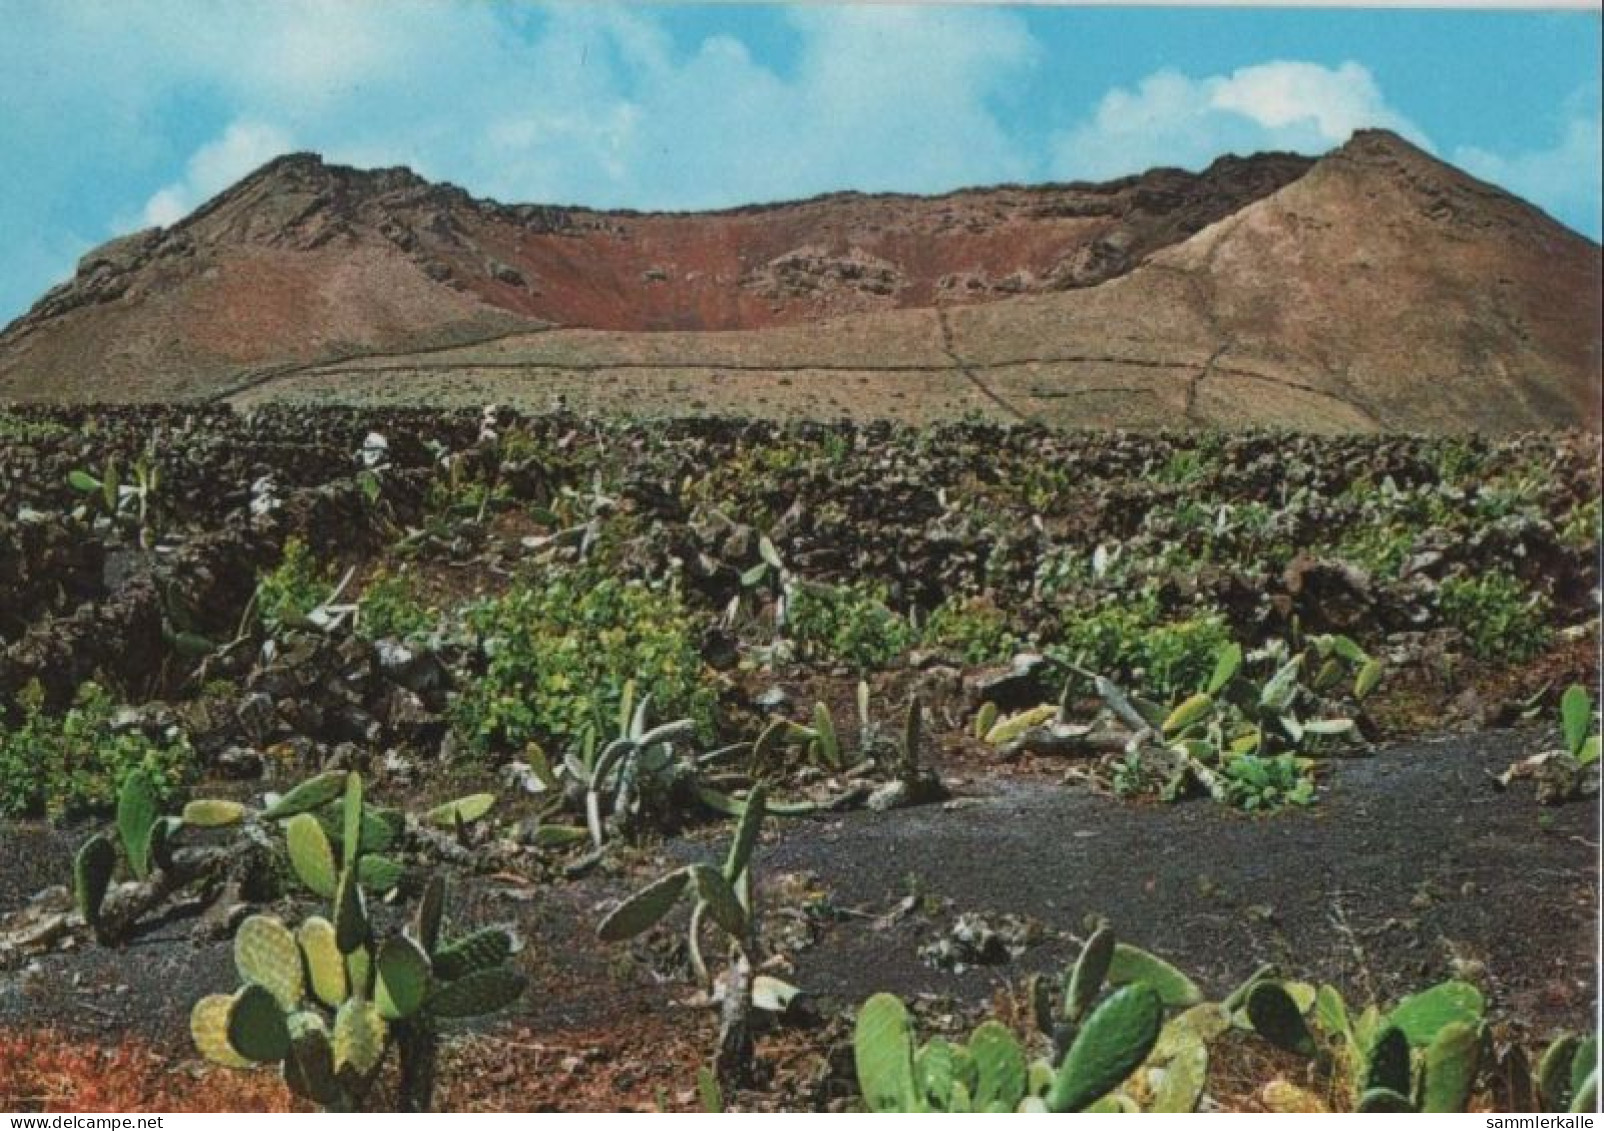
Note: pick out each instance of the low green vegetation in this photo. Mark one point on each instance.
(559, 653)
(975, 631)
(288, 593)
(1134, 643)
(1501, 619)
(390, 606)
(847, 624)
(76, 761)
(22, 430)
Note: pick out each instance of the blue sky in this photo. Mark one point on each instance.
(117, 114)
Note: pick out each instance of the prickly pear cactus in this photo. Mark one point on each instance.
(92, 870)
(311, 854)
(267, 955)
(1000, 1068)
(479, 951)
(325, 966)
(328, 1000)
(1275, 1016)
(403, 978)
(474, 995)
(136, 817)
(882, 1047)
(1450, 1069)
(1113, 1042)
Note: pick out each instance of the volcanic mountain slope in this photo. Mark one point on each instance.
(1374, 289)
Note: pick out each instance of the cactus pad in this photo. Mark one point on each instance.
(256, 1026)
(1133, 964)
(985, 719)
(1586, 1098)
(1115, 1039)
(324, 967)
(359, 971)
(1583, 1062)
(1086, 976)
(403, 978)
(359, 1033)
(378, 873)
(467, 810)
(163, 839)
(136, 817)
(309, 1065)
(311, 855)
(1188, 712)
(313, 793)
(483, 991)
(211, 813)
(1000, 1071)
(824, 726)
(1422, 1015)
(722, 902)
(92, 869)
(1275, 1016)
(1185, 1075)
(431, 912)
(746, 833)
(478, 951)
(641, 911)
(882, 1046)
(351, 823)
(378, 829)
(266, 954)
(350, 913)
(208, 1025)
(1387, 1065)
(1450, 1071)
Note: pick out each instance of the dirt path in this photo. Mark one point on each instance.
(1410, 864)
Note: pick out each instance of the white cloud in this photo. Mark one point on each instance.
(244, 146)
(1172, 119)
(1564, 177)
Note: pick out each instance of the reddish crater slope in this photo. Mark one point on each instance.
(1373, 288)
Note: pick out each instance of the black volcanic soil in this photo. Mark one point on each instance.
(1412, 868)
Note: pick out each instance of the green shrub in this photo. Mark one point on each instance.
(1499, 618)
(1580, 530)
(847, 624)
(561, 651)
(1257, 784)
(390, 607)
(1130, 642)
(974, 630)
(76, 762)
(19, 430)
(291, 590)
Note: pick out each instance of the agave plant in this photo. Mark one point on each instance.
(328, 1001)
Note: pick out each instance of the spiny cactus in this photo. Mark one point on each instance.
(1096, 1044)
(723, 895)
(1567, 1075)
(311, 817)
(329, 1000)
(990, 1073)
(1423, 1055)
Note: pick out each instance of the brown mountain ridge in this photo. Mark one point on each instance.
(1374, 288)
